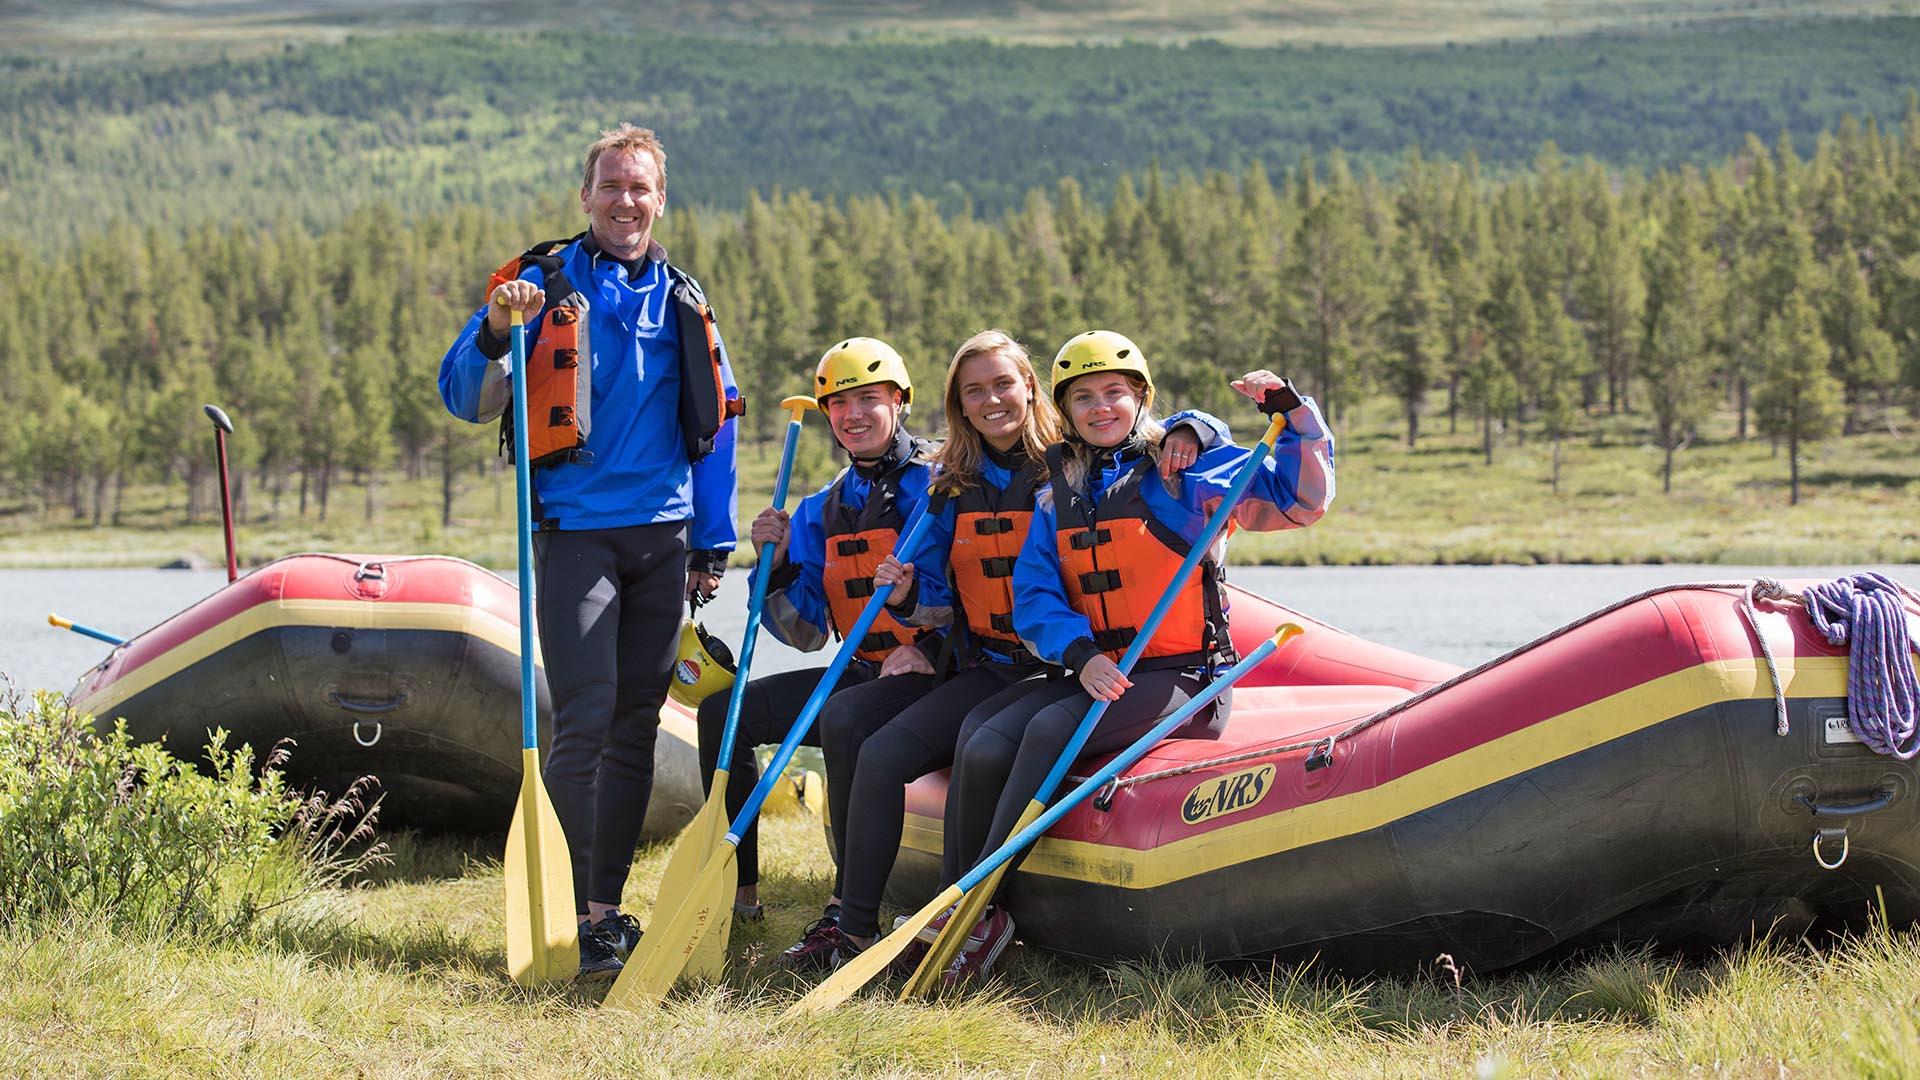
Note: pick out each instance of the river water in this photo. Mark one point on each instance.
(1460, 614)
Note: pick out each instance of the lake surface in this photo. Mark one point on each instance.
(1460, 614)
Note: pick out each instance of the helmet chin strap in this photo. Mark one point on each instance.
(899, 445)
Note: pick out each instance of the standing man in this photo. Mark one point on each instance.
(629, 393)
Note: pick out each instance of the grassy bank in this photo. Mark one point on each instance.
(403, 976)
(1438, 503)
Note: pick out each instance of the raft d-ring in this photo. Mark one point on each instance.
(1103, 799)
(363, 741)
(1823, 836)
(374, 570)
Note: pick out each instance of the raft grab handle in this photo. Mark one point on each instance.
(1879, 800)
(336, 698)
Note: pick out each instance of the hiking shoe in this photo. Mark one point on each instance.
(822, 948)
(975, 964)
(749, 912)
(620, 931)
(597, 958)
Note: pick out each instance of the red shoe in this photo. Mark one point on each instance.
(995, 933)
(822, 948)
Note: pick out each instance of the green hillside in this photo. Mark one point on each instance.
(424, 121)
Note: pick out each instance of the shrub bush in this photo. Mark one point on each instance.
(96, 827)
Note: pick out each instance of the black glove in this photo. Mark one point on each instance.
(707, 562)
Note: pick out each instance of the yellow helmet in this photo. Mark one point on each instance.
(1098, 350)
(860, 361)
(703, 666)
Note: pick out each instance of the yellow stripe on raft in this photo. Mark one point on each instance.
(1629, 711)
(345, 614)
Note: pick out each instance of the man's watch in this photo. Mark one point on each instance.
(1281, 399)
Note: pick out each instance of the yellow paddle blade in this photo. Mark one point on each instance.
(862, 969)
(669, 945)
(926, 977)
(697, 843)
(543, 933)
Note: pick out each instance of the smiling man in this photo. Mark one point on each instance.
(824, 556)
(629, 392)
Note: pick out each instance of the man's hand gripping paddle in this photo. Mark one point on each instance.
(855, 973)
(702, 836)
(671, 942)
(926, 978)
(543, 933)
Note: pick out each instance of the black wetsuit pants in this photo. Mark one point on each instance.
(771, 705)
(609, 606)
(1009, 743)
(911, 741)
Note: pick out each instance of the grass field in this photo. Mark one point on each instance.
(1436, 504)
(403, 976)
(187, 23)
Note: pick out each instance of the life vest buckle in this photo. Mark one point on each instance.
(856, 546)
(1099, 581)
(878, 641)
(1087, 538)
(992, 526)
(1000, 566)
(860, 587)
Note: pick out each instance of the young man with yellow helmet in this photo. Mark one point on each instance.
(825, 555)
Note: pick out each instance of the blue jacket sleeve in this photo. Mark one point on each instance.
(797, 613)
(1043, 615)
(716, 480)
(473, 386)
(1292, 490)
(1211, 430)
(932, 597)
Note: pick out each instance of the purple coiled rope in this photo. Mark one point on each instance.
(1883, 696)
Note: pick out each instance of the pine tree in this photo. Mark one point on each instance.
(1798, 398)
(1677, 358)
(1416, 338)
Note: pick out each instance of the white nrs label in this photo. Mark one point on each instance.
(1837, 730)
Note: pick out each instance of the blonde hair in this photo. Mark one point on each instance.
(1151, 433)
(959, 459)
(624, 138)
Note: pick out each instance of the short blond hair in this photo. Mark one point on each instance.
(626, 137)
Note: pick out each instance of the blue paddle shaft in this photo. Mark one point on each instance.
(523, 525)
(97, 635)
(762, 574)
(1111, 769)
(811, 711)
(1221, 514)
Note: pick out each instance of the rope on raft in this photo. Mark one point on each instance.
(1872, 670)
(1864, 612)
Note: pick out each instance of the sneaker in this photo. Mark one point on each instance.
(975, 964)
(822, 948)
(597, 958)
(621, 931)
(931, 932)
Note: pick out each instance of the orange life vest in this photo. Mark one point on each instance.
(560, 386)
(857, 542)
(1117, 560)
(989, 527)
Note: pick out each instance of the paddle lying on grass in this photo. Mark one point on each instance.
(926, 978)
(84, 630)
(543, 933)
(674, 937)
(855, 973)
(702, 836)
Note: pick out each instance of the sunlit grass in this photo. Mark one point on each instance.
(405, 977)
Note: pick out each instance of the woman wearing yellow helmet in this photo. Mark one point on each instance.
(1105, 541)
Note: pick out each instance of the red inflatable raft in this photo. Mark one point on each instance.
(406, 668)
(1622, 781)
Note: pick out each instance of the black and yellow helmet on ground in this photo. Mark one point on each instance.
(1098, 350)
(702, 666)
(860, 361)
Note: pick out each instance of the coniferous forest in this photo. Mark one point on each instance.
(1521, 299)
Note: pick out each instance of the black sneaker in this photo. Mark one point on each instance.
(597, 958)
(822, 948)
(620, 931)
